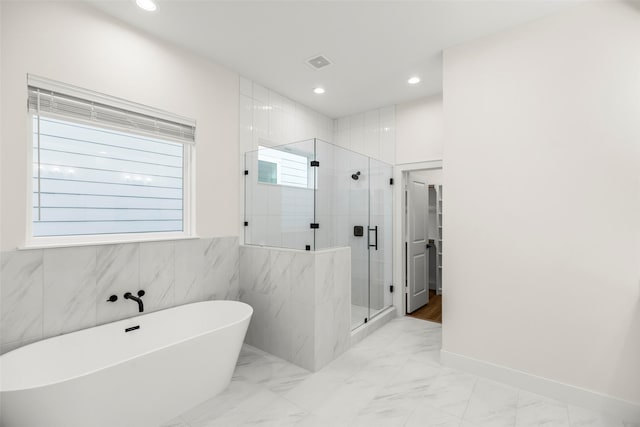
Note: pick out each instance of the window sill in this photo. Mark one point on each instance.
(37, 244)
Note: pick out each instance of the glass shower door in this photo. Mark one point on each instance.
(380, 236)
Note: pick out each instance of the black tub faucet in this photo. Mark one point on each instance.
(137, 299)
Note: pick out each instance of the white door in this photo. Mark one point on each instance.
(417, 243)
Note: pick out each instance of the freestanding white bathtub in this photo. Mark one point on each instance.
(106, 377)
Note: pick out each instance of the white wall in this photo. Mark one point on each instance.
(1, 126)
(46, 292)
(83, 47)
(419, 130)
(542, 203)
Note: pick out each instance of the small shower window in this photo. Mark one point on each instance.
(280, 167)
(267, 172)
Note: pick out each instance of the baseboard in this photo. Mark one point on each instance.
(628, 411)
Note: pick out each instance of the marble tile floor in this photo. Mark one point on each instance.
(392, 378)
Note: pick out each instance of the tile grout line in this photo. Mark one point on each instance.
(569, 415)
(515, 421)
(466, 408)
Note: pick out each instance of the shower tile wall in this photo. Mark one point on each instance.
(342, 203)
(372, 133)
(301, 302)
(269, 119)
(47, 292)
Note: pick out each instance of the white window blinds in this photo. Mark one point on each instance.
(48, 101)
(101, 169)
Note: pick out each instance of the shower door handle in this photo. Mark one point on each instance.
(375, 230)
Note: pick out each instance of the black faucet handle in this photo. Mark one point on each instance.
(113, 298)
(141, 293)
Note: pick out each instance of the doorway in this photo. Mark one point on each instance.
(423, 243)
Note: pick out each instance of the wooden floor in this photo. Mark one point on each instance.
(432, 311)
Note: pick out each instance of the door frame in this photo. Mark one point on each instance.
(399, 228)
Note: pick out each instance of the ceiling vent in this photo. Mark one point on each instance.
(318, 62)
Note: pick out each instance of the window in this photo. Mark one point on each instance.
(282, 168)
(267, 172)
(104, 172)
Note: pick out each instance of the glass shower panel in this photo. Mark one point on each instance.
(279, 196)
(325, 195)
(298, 200)
(255, 203)
(380, 251)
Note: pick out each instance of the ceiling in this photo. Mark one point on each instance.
(375, 46)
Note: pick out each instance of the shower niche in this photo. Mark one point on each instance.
(311, 198)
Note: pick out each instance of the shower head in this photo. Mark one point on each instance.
(355, 176)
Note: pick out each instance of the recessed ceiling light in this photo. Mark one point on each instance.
(318, 91)
(414, 80)
(147, 5)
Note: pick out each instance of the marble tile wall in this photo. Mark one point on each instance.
(332, 304)
(301, 302)
(48, 292)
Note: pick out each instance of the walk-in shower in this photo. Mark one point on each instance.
(313, 195)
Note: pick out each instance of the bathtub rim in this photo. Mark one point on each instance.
(137, 356)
